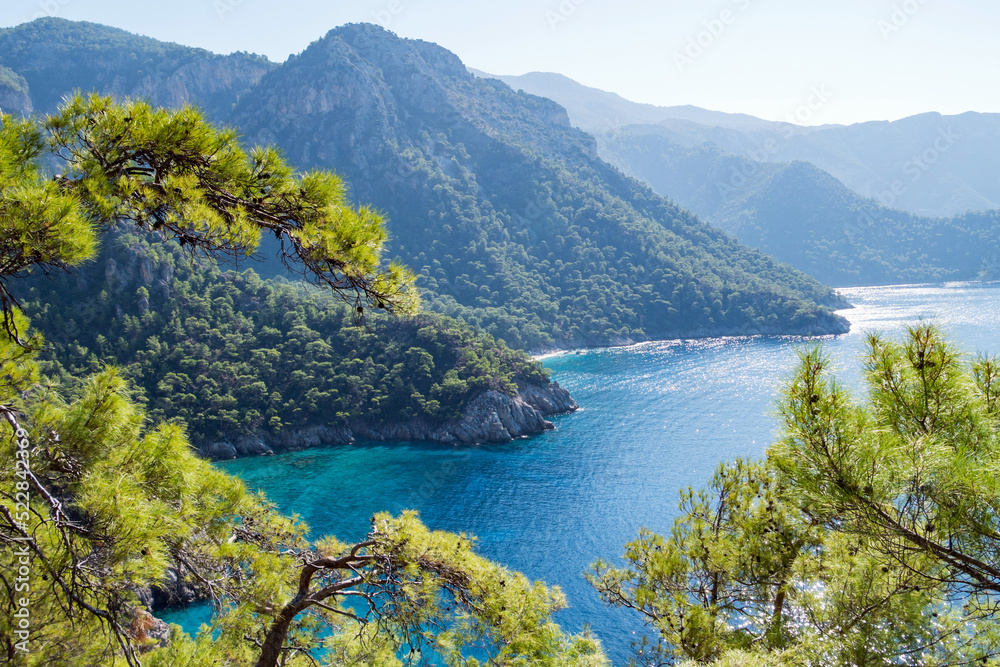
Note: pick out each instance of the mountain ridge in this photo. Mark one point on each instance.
(622, 111)
(806, 217)
(903, 163)
(123, 64)
(464, 135)
(504, 210)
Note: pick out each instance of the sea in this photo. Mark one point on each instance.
(655, 418)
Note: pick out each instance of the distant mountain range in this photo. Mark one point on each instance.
(505, 210)
(804, 216)
(727, 169)
(930, 165)
(598, 111)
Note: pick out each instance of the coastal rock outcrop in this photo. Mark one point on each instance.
(173, 591)
(492, 417)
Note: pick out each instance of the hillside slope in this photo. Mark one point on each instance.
(928, 164)
(252, 366)
(506, 211)
(596, 110)
(55, 56)
(807, 218)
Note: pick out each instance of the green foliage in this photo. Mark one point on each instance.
(96, 505)
(867, 537)
(12, 81)
(591, 266)
(415, 590)
(40, 225)
(230, 355)
(18, 365)
(171, 171)
(506, 214)
(57, 56)
(908, 472)
(720, 582)
(113, 505)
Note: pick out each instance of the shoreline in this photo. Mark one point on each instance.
(490, 417)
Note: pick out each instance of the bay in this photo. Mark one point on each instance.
(655, 418)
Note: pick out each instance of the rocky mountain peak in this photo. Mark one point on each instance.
(384, 48)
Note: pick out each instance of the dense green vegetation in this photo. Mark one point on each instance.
(868, 536)
(57, 57)
(12, 81)
(97, 504)
(232, 355)
(589, 268)
(512, 221)
(803, 216)
(506, 212)
(227, 355)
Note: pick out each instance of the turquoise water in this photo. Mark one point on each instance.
(656, 417)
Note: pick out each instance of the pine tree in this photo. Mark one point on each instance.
(173, 173)
(97, 505)
(870, 535)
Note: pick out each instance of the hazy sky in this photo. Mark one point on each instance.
(850, 60)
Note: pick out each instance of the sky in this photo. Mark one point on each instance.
(808, 61)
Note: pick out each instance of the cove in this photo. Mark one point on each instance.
(655, 418)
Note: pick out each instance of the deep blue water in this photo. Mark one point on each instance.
(656, 417)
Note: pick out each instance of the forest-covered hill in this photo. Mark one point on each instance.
(54, 56)
(250, 365)
(505, 210)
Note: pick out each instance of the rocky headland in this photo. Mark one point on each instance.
(491, 417)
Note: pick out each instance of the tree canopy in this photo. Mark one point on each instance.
(97, 504)
(173, 173)
(868, 536)
(233, 356)
(114, 504)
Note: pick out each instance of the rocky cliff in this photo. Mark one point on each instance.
(14, 96)
(91, 57)
(491, 417)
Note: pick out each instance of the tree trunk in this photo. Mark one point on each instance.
(275, 640)
(776, 614)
